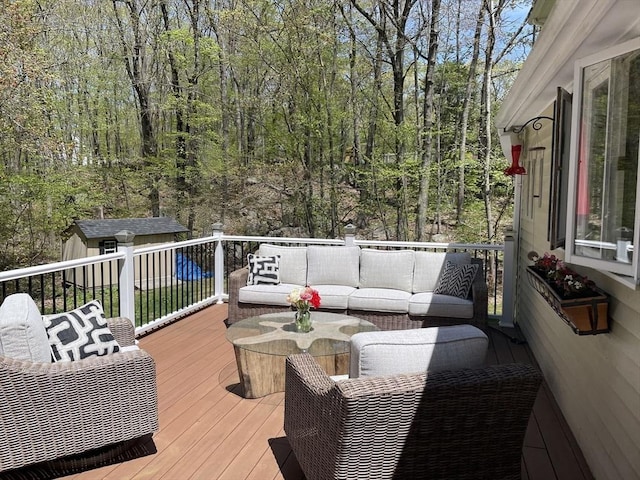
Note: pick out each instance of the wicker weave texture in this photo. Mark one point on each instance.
(466, 424)
(50, 410)
(383, 320)
(123, 330)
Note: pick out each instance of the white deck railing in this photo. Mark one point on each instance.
(158, 284)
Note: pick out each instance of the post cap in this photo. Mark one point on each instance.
(125, 236)
(350, 229)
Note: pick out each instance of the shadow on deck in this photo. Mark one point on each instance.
(208, 431)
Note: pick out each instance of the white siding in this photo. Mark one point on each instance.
(595, 379)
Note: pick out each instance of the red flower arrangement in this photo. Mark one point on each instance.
(304, 298)
(565, 281)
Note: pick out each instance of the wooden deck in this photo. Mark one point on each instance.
(208, 431)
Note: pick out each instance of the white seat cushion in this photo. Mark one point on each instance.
(22, 332)
(266, 294)
(334, 296)
(418, 350)
(386, 269)
(437, 305)
(380, 300)
(430, 265)
(333, 266)
(293, 262)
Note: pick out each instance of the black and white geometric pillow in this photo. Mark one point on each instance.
(263, 270)
(80, 333)
(456, 280)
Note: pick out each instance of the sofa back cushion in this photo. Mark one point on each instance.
(387, 269)
(430, 265)
(293, 262)
(333, 265)
(432, 349)
(22, 332)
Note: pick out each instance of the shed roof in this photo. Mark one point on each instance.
(107, 228)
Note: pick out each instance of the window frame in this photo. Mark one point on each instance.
(630, 271)
(103, 246)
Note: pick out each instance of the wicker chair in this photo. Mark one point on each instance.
(52, 410)
(464, 424)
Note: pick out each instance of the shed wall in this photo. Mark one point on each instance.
(151, 270)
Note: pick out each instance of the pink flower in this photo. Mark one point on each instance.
(304, 298)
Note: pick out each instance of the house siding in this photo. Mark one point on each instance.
(595, 379)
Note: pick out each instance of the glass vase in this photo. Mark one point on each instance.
(303, 321)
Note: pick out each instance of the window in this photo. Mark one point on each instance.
(108, 246)
(602, 226)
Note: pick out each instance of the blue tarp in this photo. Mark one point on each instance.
(187, 269)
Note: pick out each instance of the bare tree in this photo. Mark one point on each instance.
(391, 20)
(133, 39)
(427, 119)
(466, 107)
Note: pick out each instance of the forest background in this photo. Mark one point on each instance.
(274, 117)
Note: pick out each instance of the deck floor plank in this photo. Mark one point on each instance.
(208, 431)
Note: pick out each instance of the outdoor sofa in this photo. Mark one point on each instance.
(394, 289)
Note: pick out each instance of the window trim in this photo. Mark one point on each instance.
(103, 248)
(631, 270)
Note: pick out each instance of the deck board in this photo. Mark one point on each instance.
(208, 431)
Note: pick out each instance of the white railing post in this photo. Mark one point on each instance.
(127, 276)
(508, 279)
(349, 235)
(218, 276)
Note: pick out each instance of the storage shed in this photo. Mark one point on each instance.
(87, 238)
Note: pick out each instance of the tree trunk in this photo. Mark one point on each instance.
(466, 107)
(427, 125)
(134, 57)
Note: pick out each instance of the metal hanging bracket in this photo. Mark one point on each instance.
(537, 125)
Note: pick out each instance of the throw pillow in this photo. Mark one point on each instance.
(456, 280)
(80, 333)
(263, 270)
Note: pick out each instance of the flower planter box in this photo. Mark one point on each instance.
(585, 315)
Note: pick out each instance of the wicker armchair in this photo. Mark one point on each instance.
(464, 424)
(52, 410)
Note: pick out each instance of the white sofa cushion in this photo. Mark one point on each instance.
(430, 265)
(293, 262)
(333, 265)
(387, 269)
(379, 300)
(266, 294)
(334, 296)
(22, 332)
(417, 350)
(437, 305)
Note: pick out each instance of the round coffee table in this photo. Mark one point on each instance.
(263, 343)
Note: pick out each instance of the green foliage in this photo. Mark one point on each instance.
(263, 122)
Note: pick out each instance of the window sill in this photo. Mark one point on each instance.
(625, 280)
